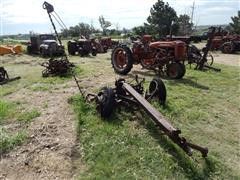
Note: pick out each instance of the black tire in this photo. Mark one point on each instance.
(175, 70)
(106, 102)
(71, 48)
(29, 49)
(157, 89)
(183, 70)
(81, 52)
(43, 52)
(228, 48)
(94, 53)
(129, 59)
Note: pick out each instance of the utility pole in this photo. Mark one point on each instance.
(192, 14)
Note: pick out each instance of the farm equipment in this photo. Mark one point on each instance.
(82, 46)
(160, 56)
(4, 78)
(16, 49)
(46, 45)
(227, 43)
(56, 66)
(202, 59)
(133, 95)
(108, 43)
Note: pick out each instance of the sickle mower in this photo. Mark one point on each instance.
(133, 95)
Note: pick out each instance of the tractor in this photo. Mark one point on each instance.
(46, 45)
(82, 46)
(108, 43)
(160, 56)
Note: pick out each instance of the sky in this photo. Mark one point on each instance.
(22, 16)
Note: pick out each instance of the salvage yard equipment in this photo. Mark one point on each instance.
(133, 95)
(16, 49)
(4, 78)
(160, 56)
(81, 46)
(202, 59)
(56, 66)
(46, 45)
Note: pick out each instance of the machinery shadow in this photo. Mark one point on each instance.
(187, 163)
(185, 81)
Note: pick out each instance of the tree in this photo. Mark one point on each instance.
(104, 24)
(185, 26)
(236, 23)
(163, 18)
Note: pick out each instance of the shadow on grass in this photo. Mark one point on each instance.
(185, 81)
(191, 169)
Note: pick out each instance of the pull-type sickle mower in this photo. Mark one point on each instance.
(125, 93)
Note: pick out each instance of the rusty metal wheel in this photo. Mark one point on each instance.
(105, 101)
(227, 48)
(122, 60)
(175, 70)
(158, 90)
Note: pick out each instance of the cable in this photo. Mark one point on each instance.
(58, 22)
(61, 20)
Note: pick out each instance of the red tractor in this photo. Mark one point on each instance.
(160, 56)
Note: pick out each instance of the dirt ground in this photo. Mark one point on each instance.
(49, 152)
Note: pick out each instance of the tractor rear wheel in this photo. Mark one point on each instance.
(105, 102)
(175, 70)
(71, 48)
(122, 60)
(157, 89)
(227, 48)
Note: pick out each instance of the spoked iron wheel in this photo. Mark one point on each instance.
(209, 61)
(122, 60)
(158, 90)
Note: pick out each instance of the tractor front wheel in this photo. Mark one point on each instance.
(122, 60)
(72, 48)
(175, 70)
(228, 48)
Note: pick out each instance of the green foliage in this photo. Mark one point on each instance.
(236, 23)
(5, 110)
(82, 29)
(104, 24)
(8, 142)
(163, 18)
(28, 116)
(185, 26)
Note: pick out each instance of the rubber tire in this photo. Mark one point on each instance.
(94, 53)
(231, 48)
(43, 52)
(71, 48)
(178, 67)
(129, 65)
(183, 70)
(161, 92)
(106, 104)
(29, 49)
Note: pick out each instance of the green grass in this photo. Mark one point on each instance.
(8, 142)
(204, 105)
(6, 110)
(28, 116)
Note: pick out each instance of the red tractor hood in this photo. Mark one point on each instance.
(166, 44)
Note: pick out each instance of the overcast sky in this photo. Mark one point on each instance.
(21, 16)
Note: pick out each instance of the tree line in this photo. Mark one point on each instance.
(162, 21)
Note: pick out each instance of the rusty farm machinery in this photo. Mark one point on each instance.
(203, 59)
(4, 77)
(133, 95)
(60, 66)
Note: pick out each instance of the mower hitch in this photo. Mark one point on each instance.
(4, 78)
